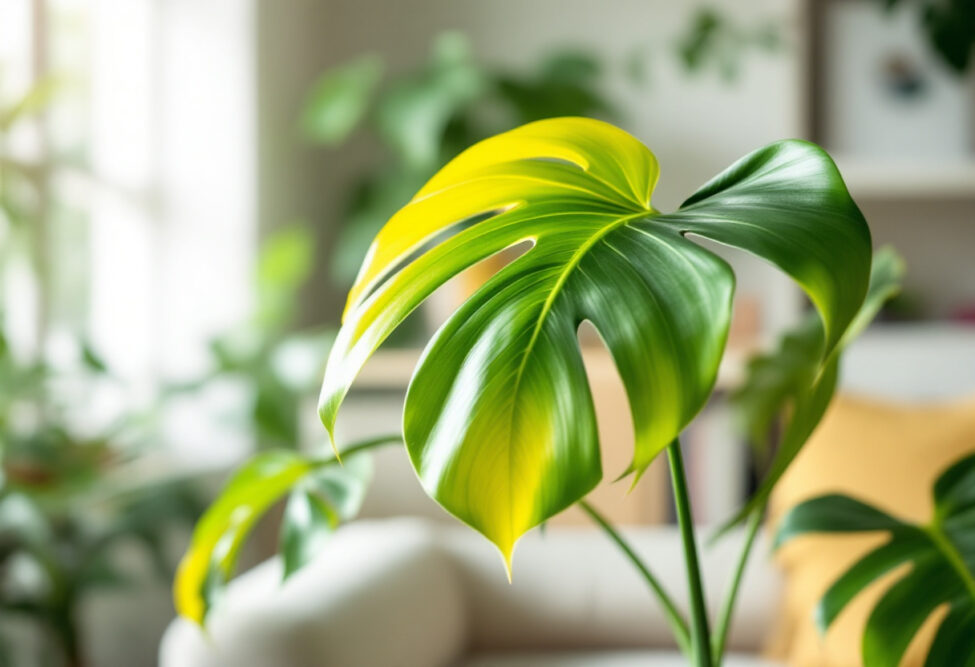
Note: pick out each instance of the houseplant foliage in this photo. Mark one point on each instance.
(498, 421)
(786, 390)
(777, 379)
(321, 495)
(782, 399)
(71, 501)
(424, 116)
(941, 554)
(276, 361)
(506, 368)
(74, 500)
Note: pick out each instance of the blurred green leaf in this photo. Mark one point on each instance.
(92, 359)
(238, 350)
(212, 556)
(566, 84)
(286, 258)
(835, 514)
(285, 263)
(951, 31)
(786, 387)
(949, 26)
(413, 114)
(942, 555)
(36, 99)
(320, 502)
(268, 477)
(340, 100)
(635, 67)
(571, 65)
(275, 411)
(714, 41)
(773, 381)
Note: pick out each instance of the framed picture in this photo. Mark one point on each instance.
(877, 90)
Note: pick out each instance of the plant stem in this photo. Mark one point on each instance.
(700, 636)
(677, 623)
(720, 635)
(360, 446)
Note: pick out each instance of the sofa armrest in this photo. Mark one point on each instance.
(382, 593)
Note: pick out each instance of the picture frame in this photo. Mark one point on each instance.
(877, 91)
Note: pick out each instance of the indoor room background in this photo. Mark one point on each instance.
(187, 188)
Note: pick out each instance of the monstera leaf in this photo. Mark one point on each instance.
(942, 558)
(499, 421)
(323, 495)
(787, 385)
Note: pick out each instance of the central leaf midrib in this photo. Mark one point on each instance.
(950, 553)
(546, 308)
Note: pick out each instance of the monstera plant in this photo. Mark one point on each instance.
(942, 558)
(499, 421)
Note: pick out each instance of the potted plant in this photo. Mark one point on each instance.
(498, 421)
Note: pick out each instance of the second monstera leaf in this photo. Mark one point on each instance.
(788, 387)
(942, 558)
(499, 421)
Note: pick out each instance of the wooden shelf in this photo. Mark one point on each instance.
(391, 370)
(903, 179)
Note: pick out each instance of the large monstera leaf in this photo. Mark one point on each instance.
(499, 421)
(942, 573)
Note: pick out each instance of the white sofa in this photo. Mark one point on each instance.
(412, 593)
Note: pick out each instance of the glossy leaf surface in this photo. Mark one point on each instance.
(499, 421)
(942, 556)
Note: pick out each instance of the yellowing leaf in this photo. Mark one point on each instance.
(499, 422)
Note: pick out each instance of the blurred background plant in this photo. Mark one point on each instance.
(279, 365)
(949, 27)
(423, 117)
(72, 496)
(714, 41)
(73, 491)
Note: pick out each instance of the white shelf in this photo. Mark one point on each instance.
(903, 179)
(924, 361)
(391, 370)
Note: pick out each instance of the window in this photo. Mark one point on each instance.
(133, 184)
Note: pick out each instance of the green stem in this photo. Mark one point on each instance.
(720, 636)
(677, 623)
(361, 446)
(700, 636)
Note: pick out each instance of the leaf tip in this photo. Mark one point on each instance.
(506, 559)
(507, 552)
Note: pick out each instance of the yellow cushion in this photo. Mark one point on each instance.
(887, 455)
